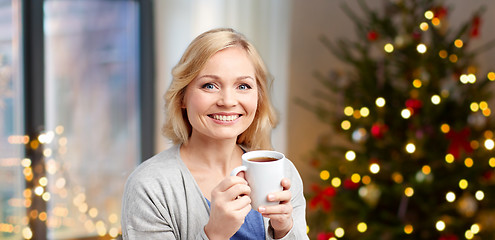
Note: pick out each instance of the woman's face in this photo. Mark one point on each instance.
(221, 102)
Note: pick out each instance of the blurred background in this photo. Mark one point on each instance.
(81, 86)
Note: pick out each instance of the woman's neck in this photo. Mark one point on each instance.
(207, 155)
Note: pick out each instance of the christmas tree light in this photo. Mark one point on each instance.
(414, 155)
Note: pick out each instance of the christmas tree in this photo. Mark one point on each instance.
(411, 152)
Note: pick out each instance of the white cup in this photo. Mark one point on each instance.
(263, 176)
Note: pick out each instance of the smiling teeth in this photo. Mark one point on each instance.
(225, 118)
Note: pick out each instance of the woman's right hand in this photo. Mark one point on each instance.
(230, 203)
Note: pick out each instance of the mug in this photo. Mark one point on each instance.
(264, 171)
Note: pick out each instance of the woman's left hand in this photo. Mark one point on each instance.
(280, 215)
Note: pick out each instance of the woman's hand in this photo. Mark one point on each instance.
(280, 215)
(230, 203)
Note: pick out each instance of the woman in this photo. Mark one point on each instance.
(217, 107)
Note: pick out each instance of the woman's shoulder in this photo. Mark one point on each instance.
(291, 171)
(163, 167)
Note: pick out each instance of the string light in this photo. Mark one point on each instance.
(469, 234)
(345, 125)
(426, 169)
(417, 83)
(480, 195)
(453, 58)
(362, 227)
(350, 155)
(374, 168)
(435, 99)
(355, 178)
(405, 113)
(440, 225)
(491, 76)
(463, 184)
(445, 128)
(474, 106)
(366, 180)
(408, 229)
(491, 162)
(475, 228)
(474, 144)
(339, 232)
(429, 15)
(450, 196)
(27, 233)
(423, 26)
(443, 54)
(380, 102)
(435, 21)
(336, 182)
(410, 148)
(467, 78)
(324, 175)
(364, 111)
(458, 43)
(488, 134)
(348, 111)
(468, 162)
(421, 48)
(489, 144)
(409, 191)
(357, 114)
(397, 177)
(486, 112)
(389, 48)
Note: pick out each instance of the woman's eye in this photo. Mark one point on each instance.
(208, 86)
(244, 86)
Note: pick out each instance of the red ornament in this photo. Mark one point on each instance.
(459, 141)
(322, 197)
(416, 35)
(324, 235)
(414, 104)
(488, 175)
(448, 237)
(378, 130)
(315, 163)
(349, 184)
(372, 35)
(475, 28)
(439, 12)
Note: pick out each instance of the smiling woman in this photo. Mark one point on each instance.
(225, 90)
(217, 108)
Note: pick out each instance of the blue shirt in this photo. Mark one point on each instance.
(252, 229)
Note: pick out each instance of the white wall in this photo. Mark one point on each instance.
(263, 22)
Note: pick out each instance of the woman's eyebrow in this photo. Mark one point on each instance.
(245, 77)
(208, 76)
(217, 77)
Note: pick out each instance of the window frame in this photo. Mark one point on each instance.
(34, 93)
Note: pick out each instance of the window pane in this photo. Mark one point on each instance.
(12, 209)
(92, 112)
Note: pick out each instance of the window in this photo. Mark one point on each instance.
(75, 114)
(91, 112)
(12, 205)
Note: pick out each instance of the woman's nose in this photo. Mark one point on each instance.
(227, 98)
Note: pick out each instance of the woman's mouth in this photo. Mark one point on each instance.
(225, 118)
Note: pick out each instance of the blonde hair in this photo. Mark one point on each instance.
(201, 49)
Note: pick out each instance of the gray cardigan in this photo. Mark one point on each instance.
(162, 201)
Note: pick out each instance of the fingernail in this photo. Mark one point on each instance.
(271, 197)
(261, 209)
